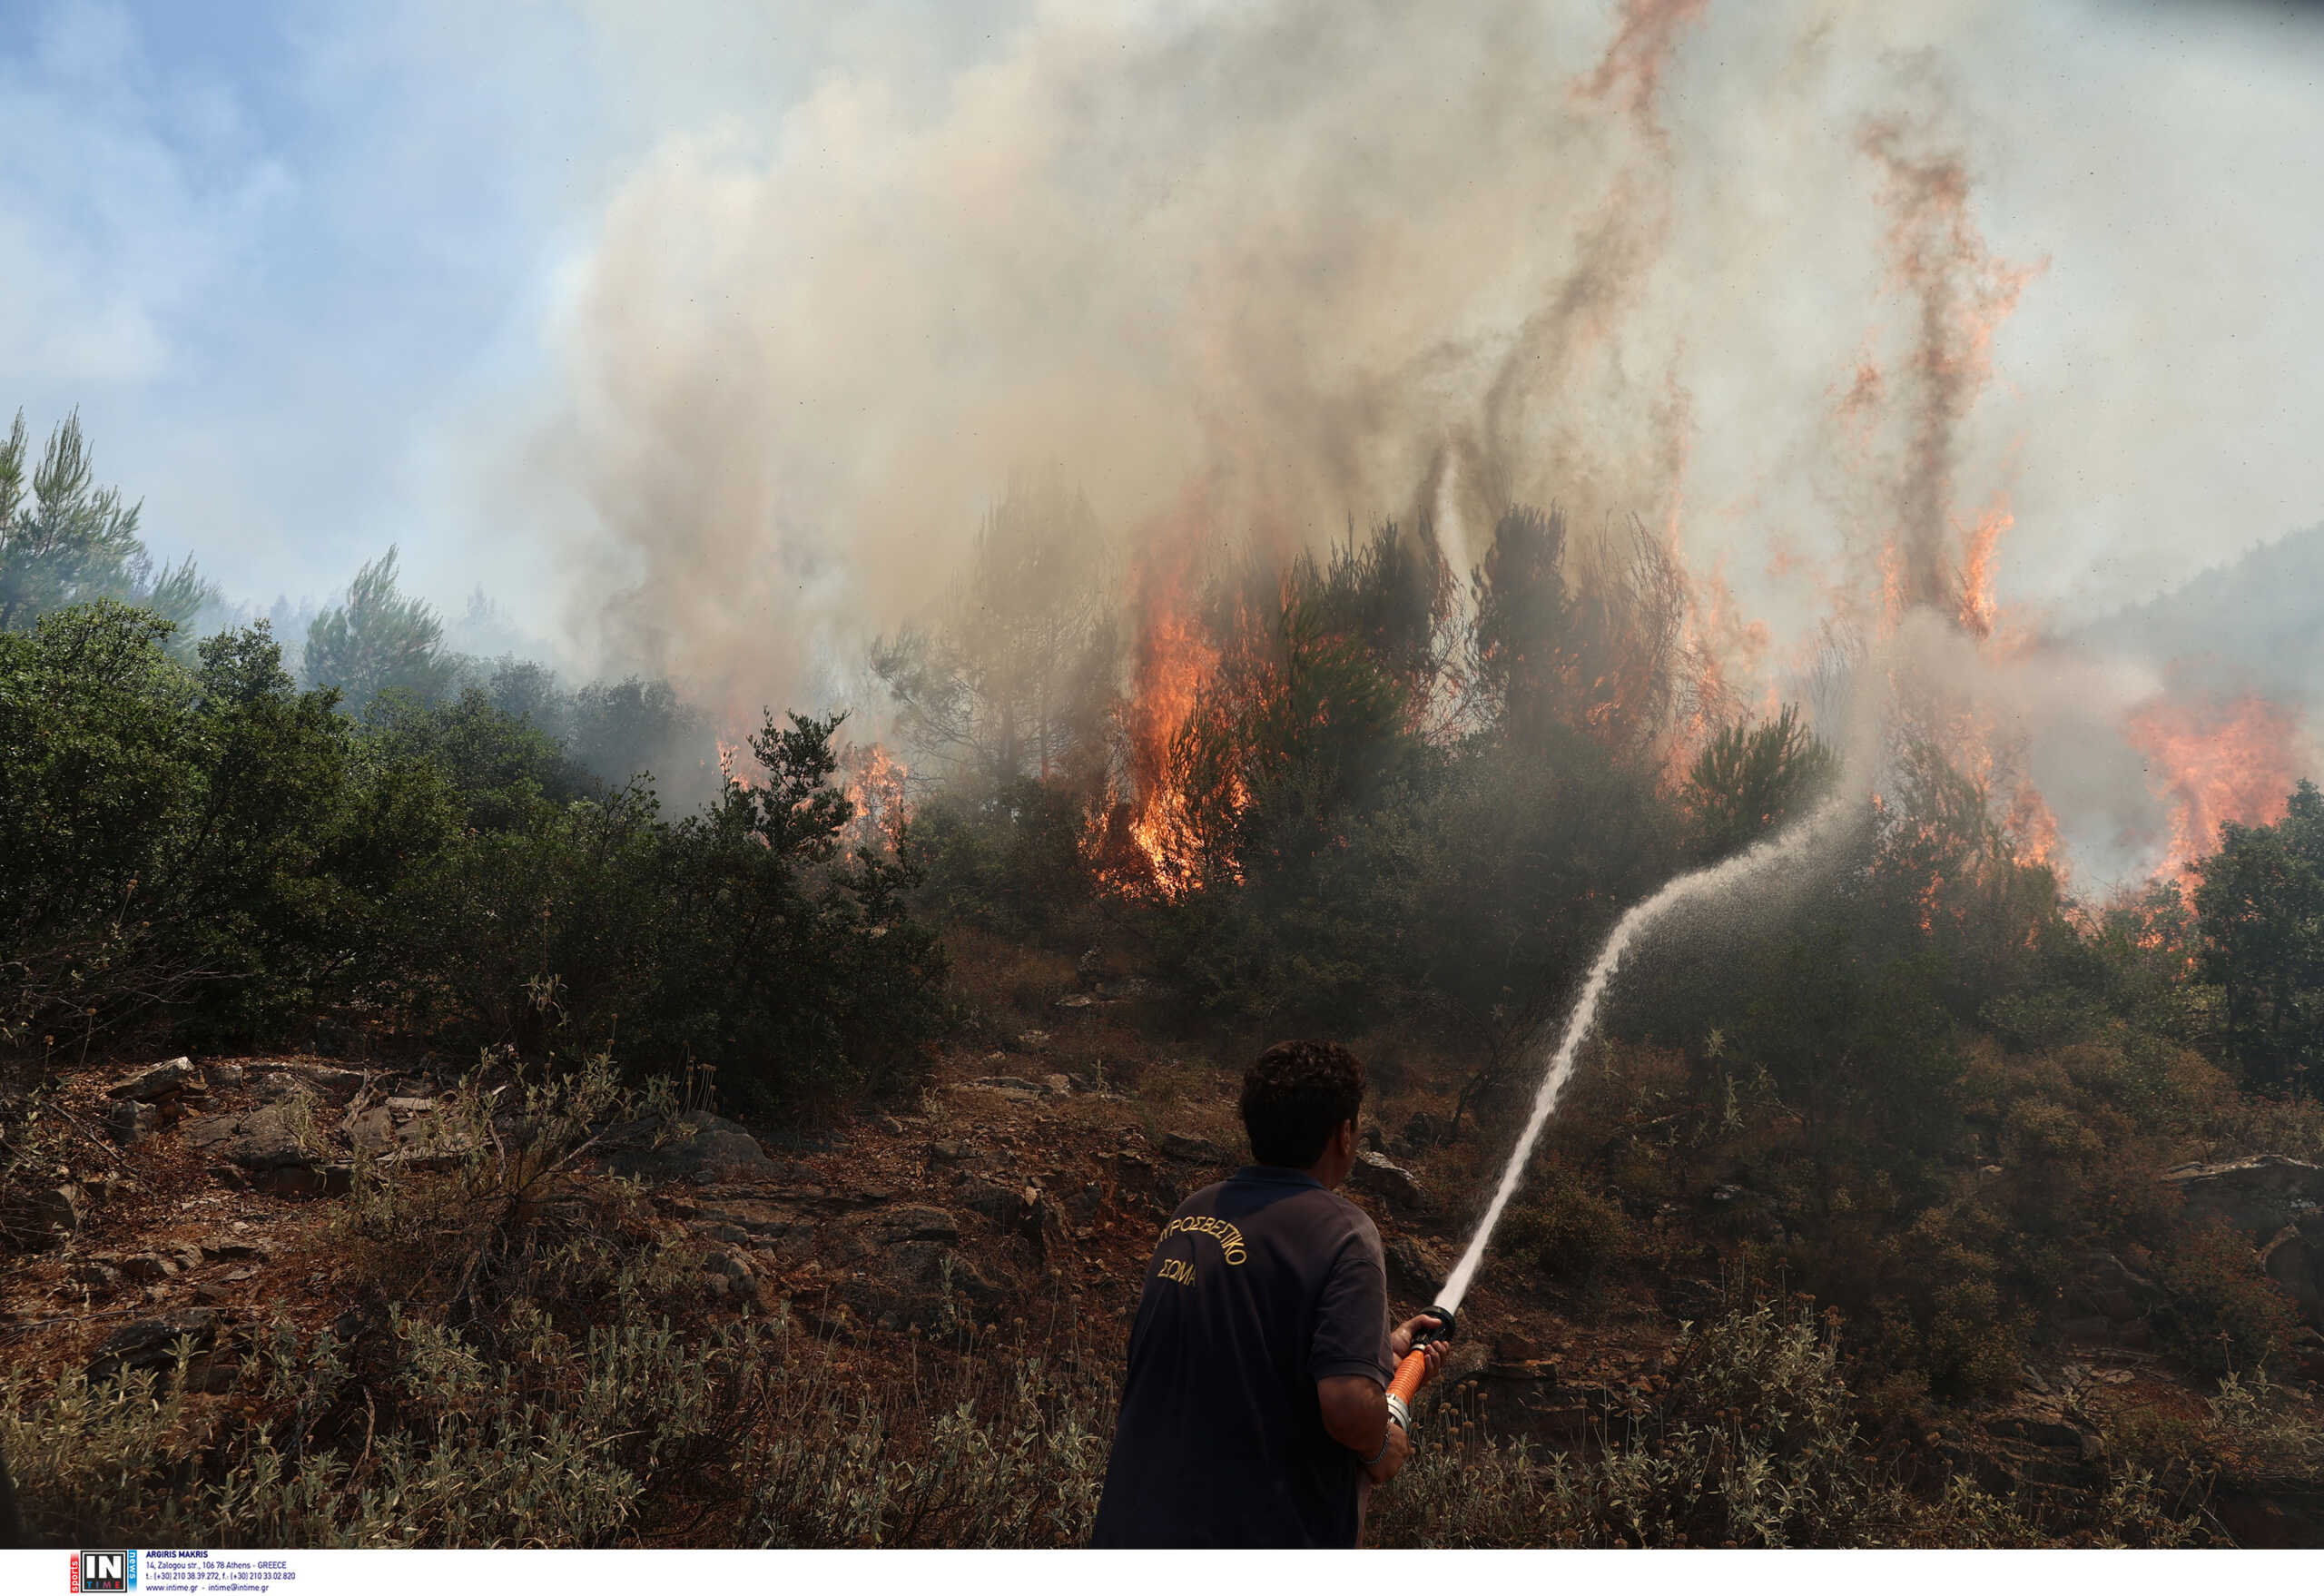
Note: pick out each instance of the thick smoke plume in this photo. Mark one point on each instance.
(1250, 276)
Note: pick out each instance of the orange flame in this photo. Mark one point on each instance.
(875, 787)
(1978, 608)
(1142, 839)
(2214, 763)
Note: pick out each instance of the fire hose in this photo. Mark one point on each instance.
(1414, 1368)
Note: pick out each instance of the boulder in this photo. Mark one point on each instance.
(1058, 1086)
(1374, 1173)
(262, 1140)
(1195, 1150)
(1414, 1268)
(162, 1080)
(2258, 1196)
(1029, 1041)
(151, 1344)
(699, 1146)
(43, 1217)
(132, 1122)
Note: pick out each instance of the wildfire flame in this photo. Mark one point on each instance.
(875, 787)
(2216, 762)
(1142, 839)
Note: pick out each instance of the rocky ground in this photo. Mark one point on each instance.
(1025, 1194)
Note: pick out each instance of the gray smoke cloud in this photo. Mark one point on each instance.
(1812, 288)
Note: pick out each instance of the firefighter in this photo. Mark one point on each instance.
(1255, 1409)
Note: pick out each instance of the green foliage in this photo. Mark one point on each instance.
(71, 542)
(1564, 1232)
(744, 937)
(1754, 1443)
(2261, 909)
(1008, 859)
(378, 640)
(1751, 780)
(213, 853)
(176, 837)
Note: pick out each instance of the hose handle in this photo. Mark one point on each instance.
(1414, 1368)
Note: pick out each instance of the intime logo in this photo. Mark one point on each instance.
(105, 1571)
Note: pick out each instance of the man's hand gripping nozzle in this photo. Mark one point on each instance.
(1413, 1369)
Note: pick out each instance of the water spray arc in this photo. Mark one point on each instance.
(1787, 847)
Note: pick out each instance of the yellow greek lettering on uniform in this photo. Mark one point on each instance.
(1229, 1239)
(1178, 1269)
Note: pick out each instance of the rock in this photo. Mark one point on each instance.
(2256, 1195)
(338, 1085)
(265, 1139)
(1031, 1041)
(949, 1152)
(1195, 1150)
(1374, 1173)
(211, 1130)
(700, 1146)
(924, 1284)
(372, 1131)
(1088, 1082)
(730, 1264)
(96, 1274)
(1057, 1085)
(1414, 1268)
(1422, 1130)
(278, 1086)
(892, 1125)
(228, 1075)
(1372, 1139)
(1091, 968)
(152, 1344)
(1087, 1204)
(411, 1105)
(914, 1222)
(1076, 1000)
(1003, 1205)
(2295, 1261)
(44, 1217)
(162, 1080)
(132, 1122)
(147, 1268)
(1015, 1088)
(1508, 1347)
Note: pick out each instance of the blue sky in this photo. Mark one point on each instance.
(309, 271)
(291, 261)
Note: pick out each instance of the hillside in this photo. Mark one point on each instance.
(324, 1233)
(2249, 623)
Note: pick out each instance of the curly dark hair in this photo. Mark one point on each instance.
(1294, 1096)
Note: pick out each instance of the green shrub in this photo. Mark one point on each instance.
(1565, 1233)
